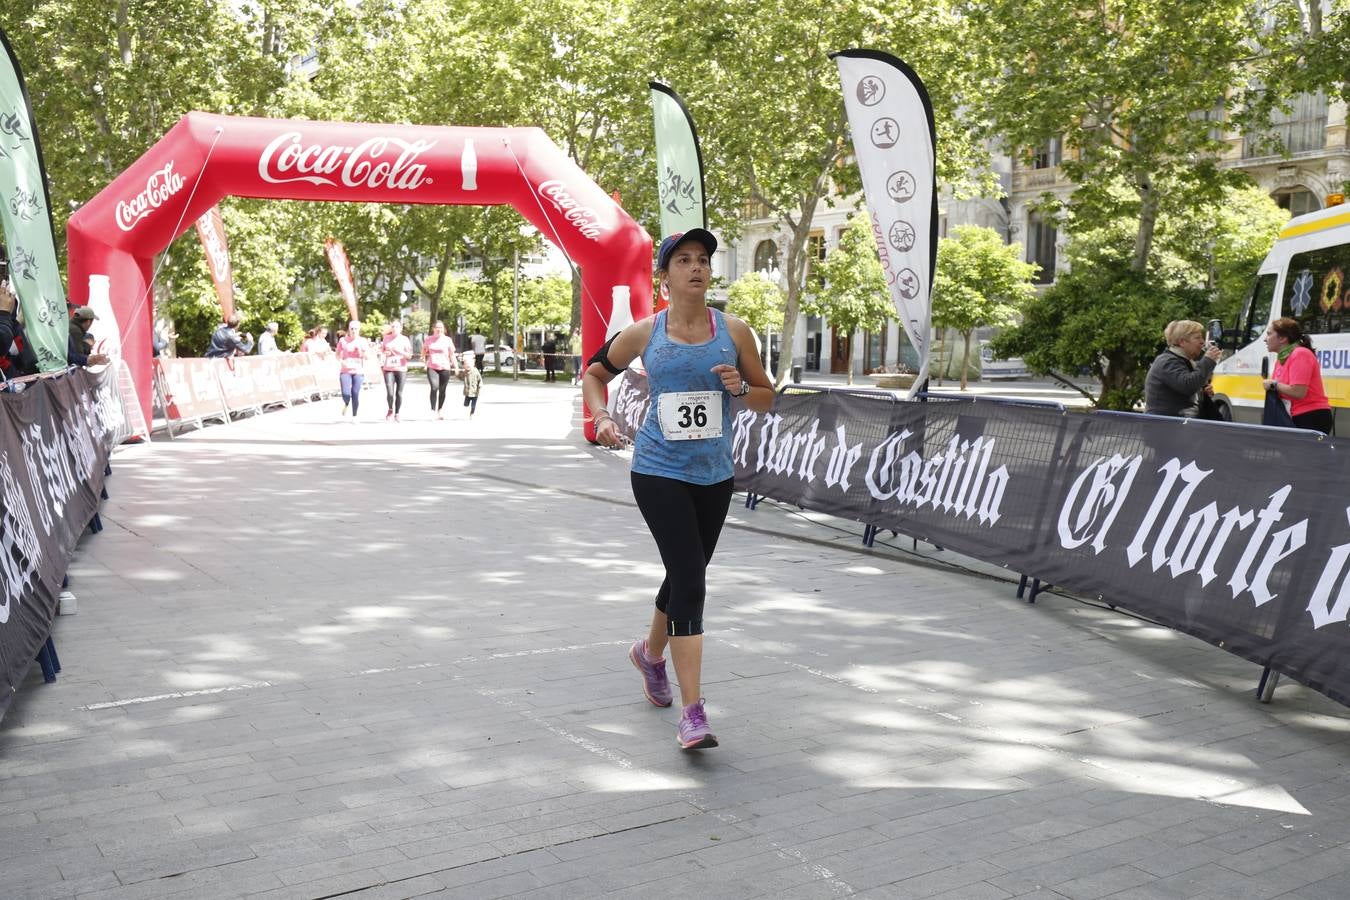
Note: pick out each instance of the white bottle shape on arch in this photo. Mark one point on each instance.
(468, 166)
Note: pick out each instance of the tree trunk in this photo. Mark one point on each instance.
(1148, 218)
(791, 310)
(576, 299)
(965, 360)
(848, 358)
(123, 32)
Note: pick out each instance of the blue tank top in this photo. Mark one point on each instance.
(673, 367)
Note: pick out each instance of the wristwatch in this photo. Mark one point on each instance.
(745, 388)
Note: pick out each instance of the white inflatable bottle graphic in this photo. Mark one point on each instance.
(468, 166)
(620, 315)
(620, 312)
(109, 335)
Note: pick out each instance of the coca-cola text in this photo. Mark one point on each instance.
(159, 187)
(585, 219)
(288, 159)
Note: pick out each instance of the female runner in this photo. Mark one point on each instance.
(697, 359)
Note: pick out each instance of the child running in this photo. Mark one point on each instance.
(473, 383)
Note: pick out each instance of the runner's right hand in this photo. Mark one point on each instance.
(607, 434)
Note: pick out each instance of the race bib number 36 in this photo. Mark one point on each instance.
(690, 415)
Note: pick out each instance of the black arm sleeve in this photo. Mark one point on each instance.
(601, 356)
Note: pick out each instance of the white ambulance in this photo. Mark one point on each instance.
(1303, 277)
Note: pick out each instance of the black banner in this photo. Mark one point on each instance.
(55, 437)
(1237, 535)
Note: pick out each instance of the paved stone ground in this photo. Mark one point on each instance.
(315, 659)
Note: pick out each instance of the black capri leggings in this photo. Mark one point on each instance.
(438, 378)
(686, 520)
(393, 389)
(1322, 420)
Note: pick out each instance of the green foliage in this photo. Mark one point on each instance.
(756, 300)
(1226, 244)
(980, 281)
(1103, 319)
(1125, 84)
(854, 294)
(417, 322)
(766, 97)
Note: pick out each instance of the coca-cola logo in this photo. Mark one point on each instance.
(287, 159)
(159, 187)
(585, 219)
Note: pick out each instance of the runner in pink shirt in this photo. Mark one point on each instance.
(351, 352)
(395, 351)
(316, 342)
(439, 354)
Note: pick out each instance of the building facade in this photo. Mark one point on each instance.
(1303, 170)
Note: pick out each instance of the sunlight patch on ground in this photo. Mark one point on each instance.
(863, 570)
(1171, 780)
(198, 713)
(157, 521)
(500, 577)
(623, 780)
(196, 680)
(222, 649)
(375, 613)
(159, 575)
(41, 730)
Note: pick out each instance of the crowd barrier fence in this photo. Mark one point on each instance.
(56, 436)
(1234, 534)
(197, 390)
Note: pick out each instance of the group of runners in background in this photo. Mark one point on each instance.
(394, 352)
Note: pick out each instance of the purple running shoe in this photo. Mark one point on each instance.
(694, 731)
(655, 684)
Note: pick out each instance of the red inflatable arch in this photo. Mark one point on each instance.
(206, 157)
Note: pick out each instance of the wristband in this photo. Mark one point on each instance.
(745, 388)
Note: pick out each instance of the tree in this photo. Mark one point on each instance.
(1224, 245)
(545, 302)
(757, 301)
(1100, 317)
(980, 281)
(1131, 87)
(1200, 266)
(786, 151)
(853, 294)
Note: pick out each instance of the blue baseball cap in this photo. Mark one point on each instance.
(702, 235)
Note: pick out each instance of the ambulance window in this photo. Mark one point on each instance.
(1257, 314)
(1315, 290)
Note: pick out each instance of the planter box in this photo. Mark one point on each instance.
(893, 382)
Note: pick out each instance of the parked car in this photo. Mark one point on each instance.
(509, 358)
(992, 368)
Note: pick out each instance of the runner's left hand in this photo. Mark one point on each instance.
(731, 377)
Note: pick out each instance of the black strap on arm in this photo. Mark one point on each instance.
(601, 356)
